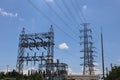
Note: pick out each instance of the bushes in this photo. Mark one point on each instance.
(16, 76)
(114, 74)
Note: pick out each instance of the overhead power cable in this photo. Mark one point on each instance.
(69, 11)
(63, 11)
(79, 7)
(66, 15)
(41, 12)
(67, 25)
(76, 11)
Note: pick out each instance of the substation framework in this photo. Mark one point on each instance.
(88, 50)
(46, 66)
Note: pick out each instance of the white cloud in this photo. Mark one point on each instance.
(118, 60)
(25, 71)
(96, 64)
(97, 71)
(85, 7)
(4, 13)
(49, 0)
(63, 46)
(71, 72)
(5, 70)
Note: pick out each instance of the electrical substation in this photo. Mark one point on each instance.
(45, 60)
(30, 44)
(65, 46)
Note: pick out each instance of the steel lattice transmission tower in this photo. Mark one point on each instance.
(88, 50)
(38, 48)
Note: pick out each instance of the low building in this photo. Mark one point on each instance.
(82, 77)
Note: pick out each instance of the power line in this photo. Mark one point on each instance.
(75, 9)
(59, 17)
(41, 12)
(79, 7)
(66, 15)
(69, 11)
(63, 11)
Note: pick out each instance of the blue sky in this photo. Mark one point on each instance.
(38, 15)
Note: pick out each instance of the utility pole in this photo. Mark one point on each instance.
(111, 66)
(7, 68)
(107, 71)
(102, 56)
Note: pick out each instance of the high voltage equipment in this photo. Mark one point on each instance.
(88, 50)
(43, 42)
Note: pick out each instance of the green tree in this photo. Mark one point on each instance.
(2, 75)
(35, 76)
(13, 75)
(114, 74)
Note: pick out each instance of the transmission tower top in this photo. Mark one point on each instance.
(23, 30)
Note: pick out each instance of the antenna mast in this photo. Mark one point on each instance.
(102, 56)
